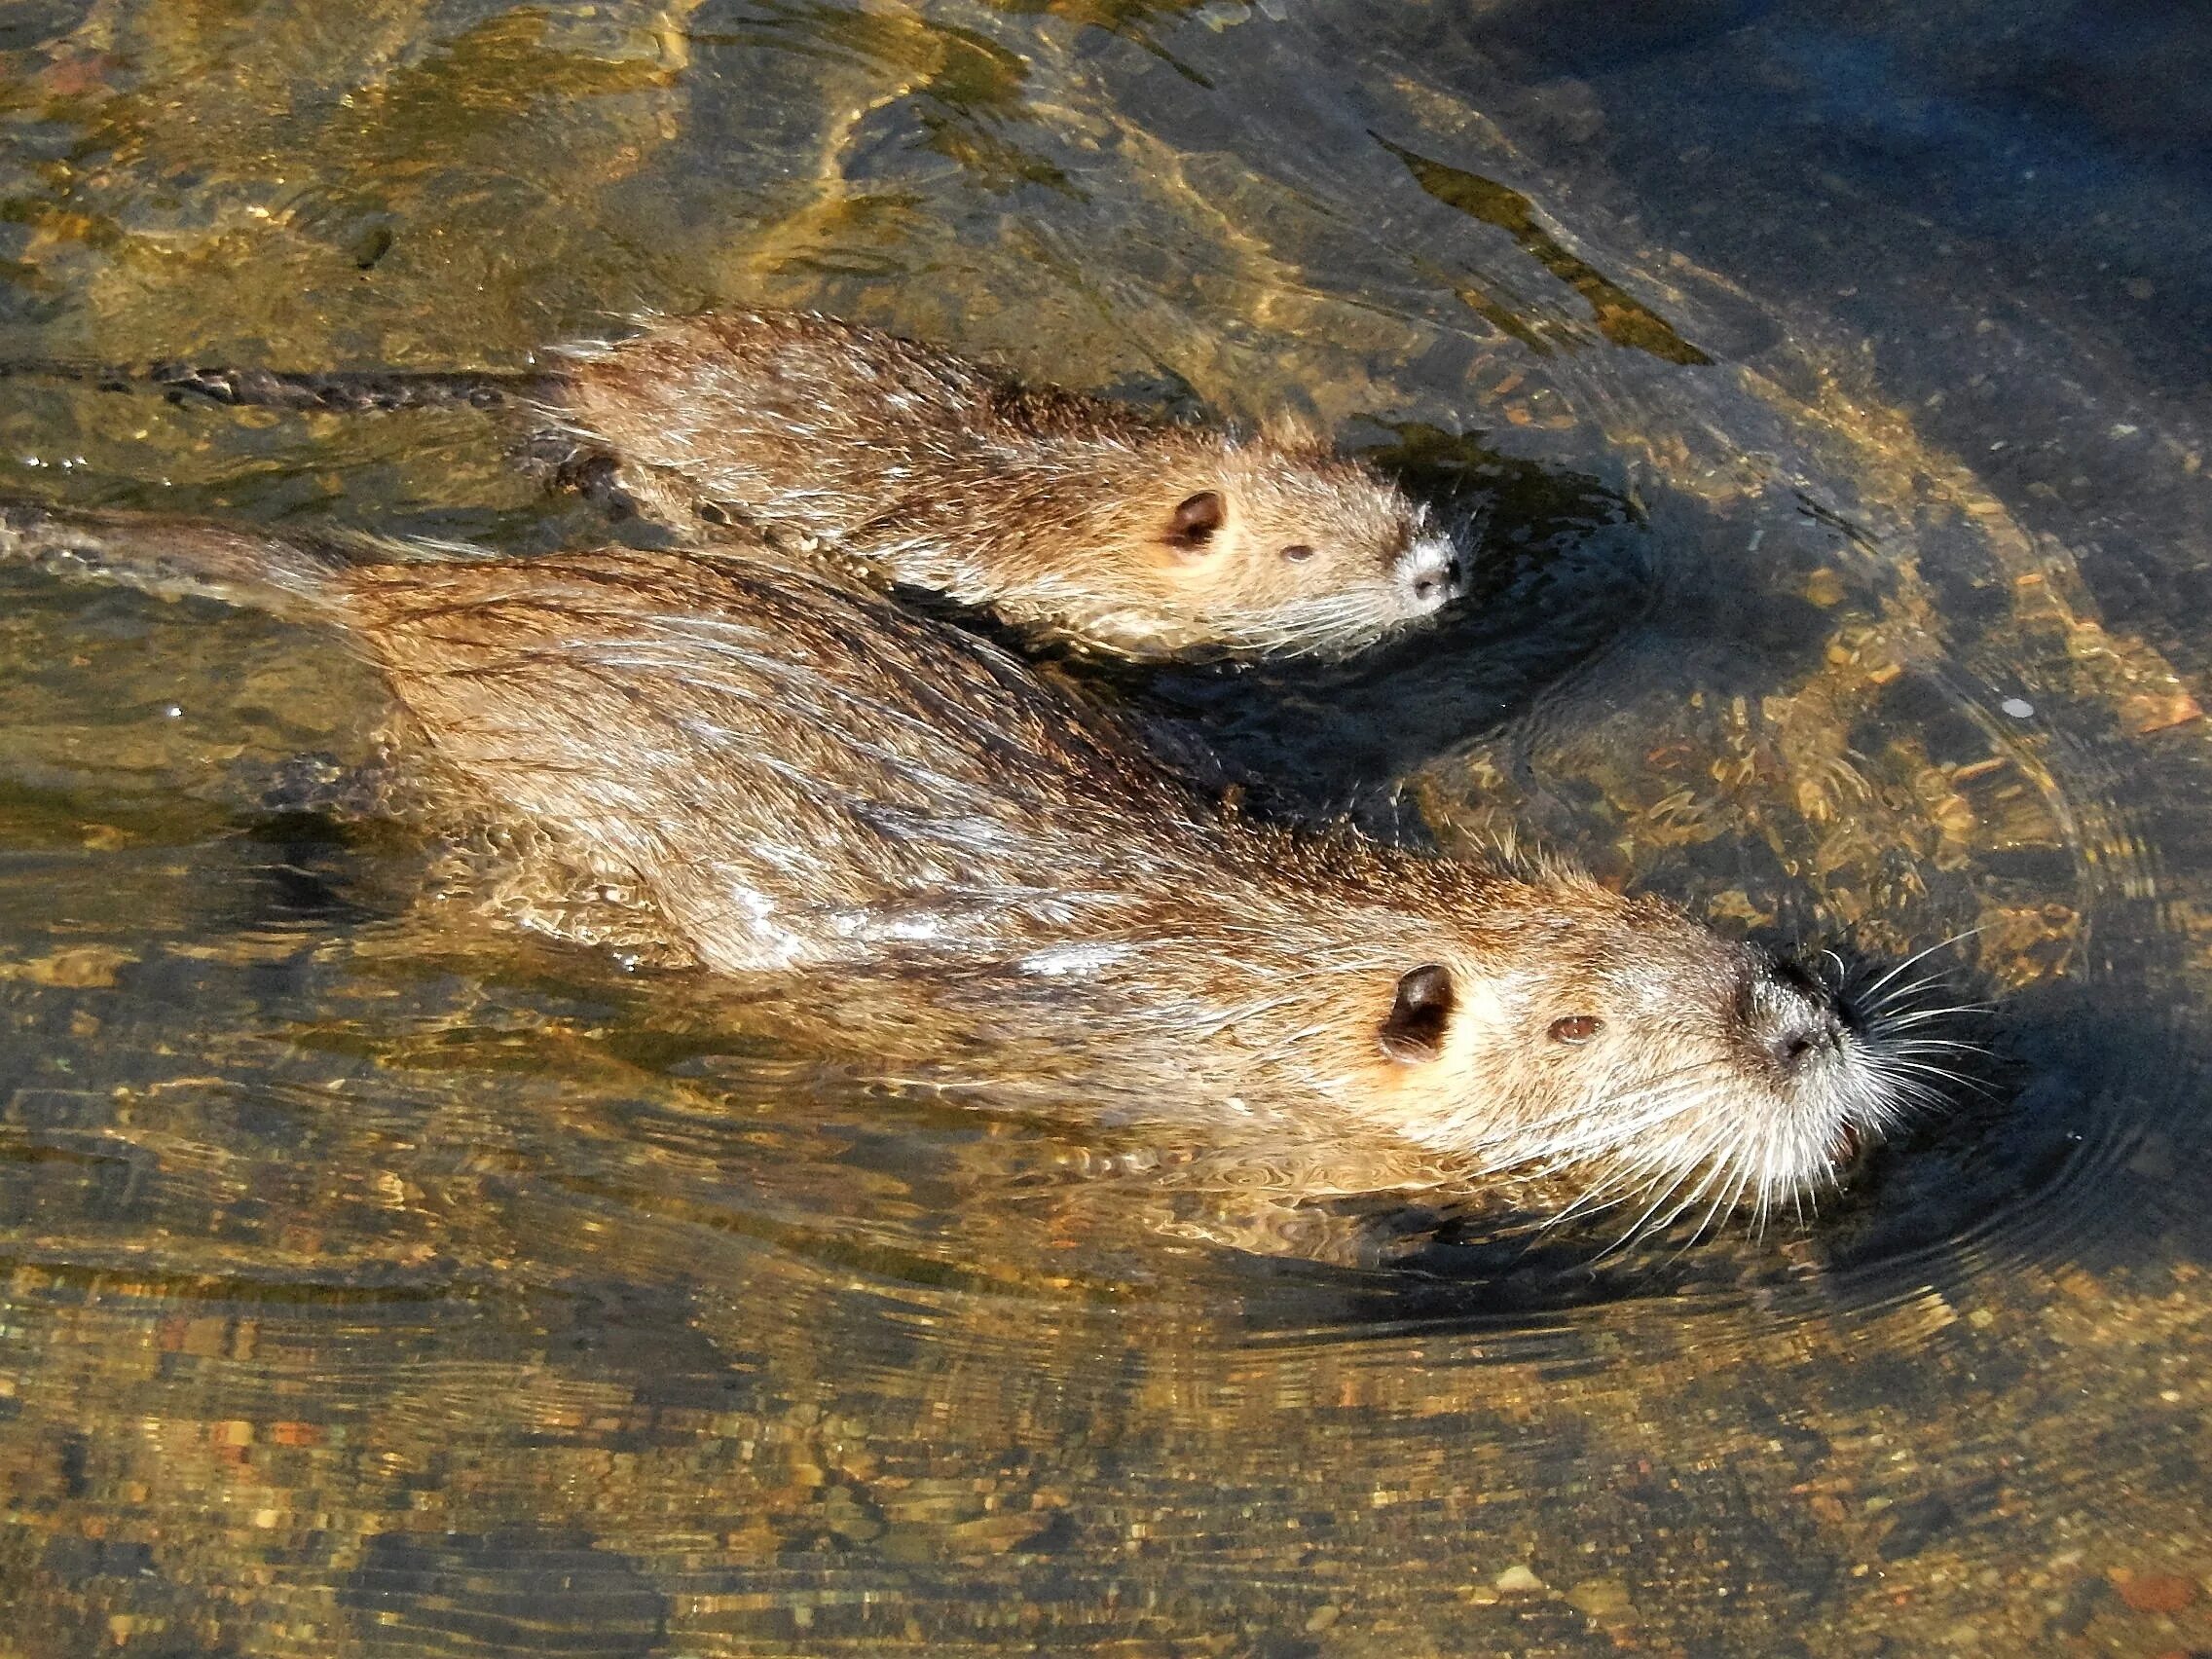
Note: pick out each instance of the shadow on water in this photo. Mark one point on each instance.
(1566, 571)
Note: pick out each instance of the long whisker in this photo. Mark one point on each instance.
(1617, 1186)
(1636, 1228)
(1725, 1199)
(1921, 1015)
(1922, 955)
(1650, 1222)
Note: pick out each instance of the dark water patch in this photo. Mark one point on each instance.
(516, 1590)
(1619, 317)
(298, 876)
(1541, 39)
(37, 22)
(2125, 69)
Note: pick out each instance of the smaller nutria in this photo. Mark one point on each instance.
(1071, 515)
(715, 762)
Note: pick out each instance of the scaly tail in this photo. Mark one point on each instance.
(289, 577)
(558, 460)
(344, 391)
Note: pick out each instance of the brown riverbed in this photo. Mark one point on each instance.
(1831, 388)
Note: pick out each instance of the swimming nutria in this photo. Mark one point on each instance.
(730, 765)
(1071, 515)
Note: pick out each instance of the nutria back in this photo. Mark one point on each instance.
(794, 770)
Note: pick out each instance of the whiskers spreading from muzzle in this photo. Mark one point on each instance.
(1326, 624)
(1681, 1147)
(1664, 1148)
(1906, 1014)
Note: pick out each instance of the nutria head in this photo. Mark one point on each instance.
(1270, 545)
(1552, 1027)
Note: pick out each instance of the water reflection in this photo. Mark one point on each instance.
(376, 1287)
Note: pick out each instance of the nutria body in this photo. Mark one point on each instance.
(1070, 515)
(715, 762)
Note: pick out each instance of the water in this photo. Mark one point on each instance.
(1833, 382)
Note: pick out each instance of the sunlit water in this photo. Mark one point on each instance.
(1831, 388)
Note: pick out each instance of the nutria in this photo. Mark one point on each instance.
(1071, 515)
(724, 764)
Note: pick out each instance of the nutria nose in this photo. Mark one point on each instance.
(1800, 1034)
(1789, 1013)
(1433, 572)
(1791, 1025)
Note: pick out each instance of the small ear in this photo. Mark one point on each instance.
(1197, 518)
(1415, 1029)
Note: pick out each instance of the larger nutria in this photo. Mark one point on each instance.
(1071, 515)
(734, 767)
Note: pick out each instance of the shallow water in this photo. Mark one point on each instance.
(1832, 387)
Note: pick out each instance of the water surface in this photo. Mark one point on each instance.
(1830, 384)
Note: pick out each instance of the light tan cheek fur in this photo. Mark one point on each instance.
(1226, 563)
(1184, 565)
(1202, 571)
(1482, 1023)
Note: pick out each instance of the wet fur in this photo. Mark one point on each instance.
(1054, 508)
(926, 850)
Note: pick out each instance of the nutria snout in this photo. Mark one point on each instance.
(1789, 1016)
(1431, 573)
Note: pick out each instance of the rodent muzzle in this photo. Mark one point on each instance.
(1432, 572)
(1802, 1034)
(1789, 1016)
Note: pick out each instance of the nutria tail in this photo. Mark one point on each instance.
(288, 576)
(344, 391)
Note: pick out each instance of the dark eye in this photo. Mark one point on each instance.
(1575, 1028)
(1298, 552)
